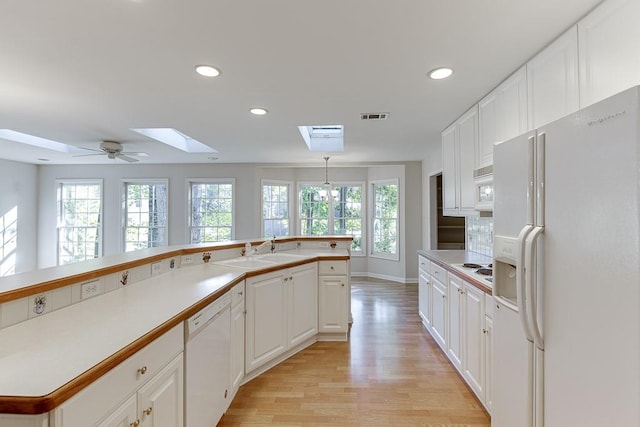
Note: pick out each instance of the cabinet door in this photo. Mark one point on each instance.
(302, 288)
(609, 50)
(474, 339)
(266, 319)
(450, 202)
(488, 362)
(511, 107)
(333, 304)
(123, 416)
(237, 346)
(487, 129)
(552, 78)
(160, 401)
(439, 313)
(455, 310)
(467, 137)
(424, 298)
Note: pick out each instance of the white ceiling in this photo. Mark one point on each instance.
(81, 71)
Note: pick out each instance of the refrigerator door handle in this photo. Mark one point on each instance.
(521, 281)
(531, 283)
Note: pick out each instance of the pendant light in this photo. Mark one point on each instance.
(325, 191)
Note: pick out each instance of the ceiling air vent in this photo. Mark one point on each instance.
(374, 116)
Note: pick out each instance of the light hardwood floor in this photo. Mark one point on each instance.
(390, 373)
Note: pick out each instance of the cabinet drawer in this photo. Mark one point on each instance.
(237, 294)
(424, 264)
(438, 272)
(327, 268)
(111, 389)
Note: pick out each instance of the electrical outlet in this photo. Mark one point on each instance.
(91, 289)
(187, 259)
(324, 244)
(156, 268)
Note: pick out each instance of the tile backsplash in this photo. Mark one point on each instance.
(480, 235)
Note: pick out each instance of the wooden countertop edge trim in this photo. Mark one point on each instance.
(474, 282)
(41, 404)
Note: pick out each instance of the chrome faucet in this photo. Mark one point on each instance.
(271, 242)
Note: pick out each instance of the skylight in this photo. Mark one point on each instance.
(176, 139)
(323, 138)
(36, 141)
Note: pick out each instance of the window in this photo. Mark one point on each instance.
(8, 241)
(347, 214)
(211, 211)
(79, 220)
(145, 214)
(314, 211)
(275, 209)
(334, 212)
(385, 219)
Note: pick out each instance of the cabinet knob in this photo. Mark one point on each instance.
(142, 370)
(136, 423)
(342, 284)
(148, 411)
(290, 277)
(286, 279)
(444, 296)
(240, 293)
(484, 331)
(332, 267)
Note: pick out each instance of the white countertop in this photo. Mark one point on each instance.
(42, 354)
(453, 259)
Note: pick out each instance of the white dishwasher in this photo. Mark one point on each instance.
(208, 364)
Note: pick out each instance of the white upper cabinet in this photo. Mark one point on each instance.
(458, 149)
(609, 50)
(502, 115)
(552, 78)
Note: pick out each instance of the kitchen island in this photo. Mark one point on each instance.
(52, 358)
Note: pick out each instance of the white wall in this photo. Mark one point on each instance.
(248, 178)
(431, 165)
(18, 189)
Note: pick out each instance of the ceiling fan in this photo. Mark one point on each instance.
(113, 150)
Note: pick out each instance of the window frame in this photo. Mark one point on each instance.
(79, 181)
(290, 204)
(372, 206)
(189, 184)
(123, 210)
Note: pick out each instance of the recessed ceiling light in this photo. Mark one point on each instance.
(258, 111)
(207, 71)
(440, 73)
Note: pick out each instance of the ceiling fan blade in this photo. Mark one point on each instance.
(126, 158)
(85, 155)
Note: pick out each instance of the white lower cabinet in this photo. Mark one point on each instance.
(424, 291)
(439, 313)
(14, 420)
(144, 390)
(455, 311)
(238, 313)
(488, 362)
(334, 293)
(462, 327)
(282, 312)
(474, 339)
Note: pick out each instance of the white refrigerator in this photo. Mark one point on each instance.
(567, 271)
